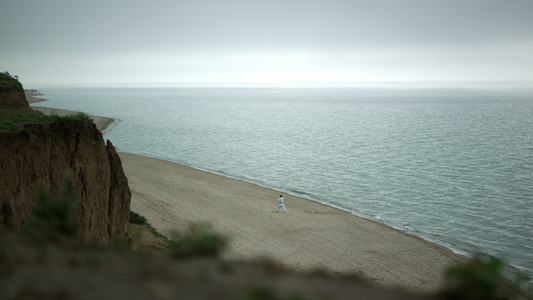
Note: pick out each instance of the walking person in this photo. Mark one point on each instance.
(280, 204)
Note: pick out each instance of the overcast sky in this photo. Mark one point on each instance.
(137, 41)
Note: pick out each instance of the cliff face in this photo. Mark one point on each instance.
(39, 155)
(12, 97)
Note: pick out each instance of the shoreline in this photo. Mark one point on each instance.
(456, 251)
(32, 96)
(313, 235)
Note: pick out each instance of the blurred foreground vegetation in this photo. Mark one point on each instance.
(483, 278)
(54, 218)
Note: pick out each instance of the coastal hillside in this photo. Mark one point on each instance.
(11, 93)
(39, 155)
(43, 155)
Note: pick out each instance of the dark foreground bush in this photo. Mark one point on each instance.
(265, 293)
(482, 278)
(199, 240)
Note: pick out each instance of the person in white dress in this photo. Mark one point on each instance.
(280, 204)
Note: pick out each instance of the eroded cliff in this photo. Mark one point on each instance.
(11, 93)
(39, 155)
(12, 97)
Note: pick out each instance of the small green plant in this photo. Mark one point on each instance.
(480, 278)
(135, 218)
(199, 240)
(54, 216)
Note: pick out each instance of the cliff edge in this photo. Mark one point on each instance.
(39, 155)
(11, 93)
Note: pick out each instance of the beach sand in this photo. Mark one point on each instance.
(310, 236)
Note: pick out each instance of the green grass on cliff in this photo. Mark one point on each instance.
(7, 80)
(12, 121)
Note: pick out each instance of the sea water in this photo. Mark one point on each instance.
(450, 163)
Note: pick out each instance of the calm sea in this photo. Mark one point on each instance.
(450, 163)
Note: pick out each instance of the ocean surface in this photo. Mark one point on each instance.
(450, 163)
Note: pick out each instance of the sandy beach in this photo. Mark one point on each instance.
(310, 236)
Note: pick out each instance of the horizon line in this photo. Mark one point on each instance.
(278, 84)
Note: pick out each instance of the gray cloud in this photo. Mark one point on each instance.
(216, 39)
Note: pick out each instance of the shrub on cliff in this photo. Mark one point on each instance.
(135, 218)
(10, 82)
(12, 121)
